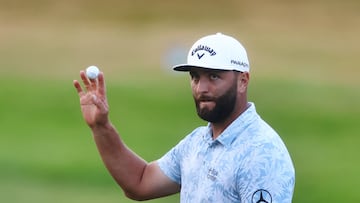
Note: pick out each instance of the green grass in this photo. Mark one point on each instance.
(47, 149)
(47, 153)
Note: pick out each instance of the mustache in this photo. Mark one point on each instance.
(205, 98)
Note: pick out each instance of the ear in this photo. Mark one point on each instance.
(243, 81)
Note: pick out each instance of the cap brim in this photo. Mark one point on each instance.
(184, 67)
(188, 67)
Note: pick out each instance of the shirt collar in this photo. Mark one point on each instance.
(237, 126)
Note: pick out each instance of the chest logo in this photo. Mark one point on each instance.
(212, 174)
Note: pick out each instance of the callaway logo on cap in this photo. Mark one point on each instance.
(217, 51)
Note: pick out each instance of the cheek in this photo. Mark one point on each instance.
(192, 85)
(193, 89)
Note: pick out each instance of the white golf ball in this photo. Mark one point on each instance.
(92, 72)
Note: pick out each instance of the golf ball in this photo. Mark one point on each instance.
(92, 72)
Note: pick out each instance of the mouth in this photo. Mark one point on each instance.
(206, 103)
(203, 98)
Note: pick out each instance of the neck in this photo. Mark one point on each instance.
(219, 127)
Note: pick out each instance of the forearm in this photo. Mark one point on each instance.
(137, 178)
(124, 165)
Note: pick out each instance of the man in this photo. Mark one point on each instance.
(237, 157)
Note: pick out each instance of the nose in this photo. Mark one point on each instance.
(201, 85)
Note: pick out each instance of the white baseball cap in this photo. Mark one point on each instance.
(217, 51)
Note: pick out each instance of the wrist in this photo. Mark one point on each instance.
(101, 127)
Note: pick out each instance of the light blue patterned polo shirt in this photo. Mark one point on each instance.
(247, 163)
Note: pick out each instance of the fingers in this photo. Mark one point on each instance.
(91, 85)
(85, 80)
(78, 88)
(101, 83)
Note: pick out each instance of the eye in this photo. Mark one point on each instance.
(213, 76)
(194, 75)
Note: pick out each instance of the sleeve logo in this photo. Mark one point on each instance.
(261, 196)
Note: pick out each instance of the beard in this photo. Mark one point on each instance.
(224, 106)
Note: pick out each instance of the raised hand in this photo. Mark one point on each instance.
(93, 101)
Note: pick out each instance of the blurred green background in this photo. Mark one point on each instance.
(304, 58)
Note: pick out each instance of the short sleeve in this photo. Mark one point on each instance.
(170, 163)
(266, 176)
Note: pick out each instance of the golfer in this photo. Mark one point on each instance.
(236, 157)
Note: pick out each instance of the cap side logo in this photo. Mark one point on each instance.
(239, 63)
(201, 47)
